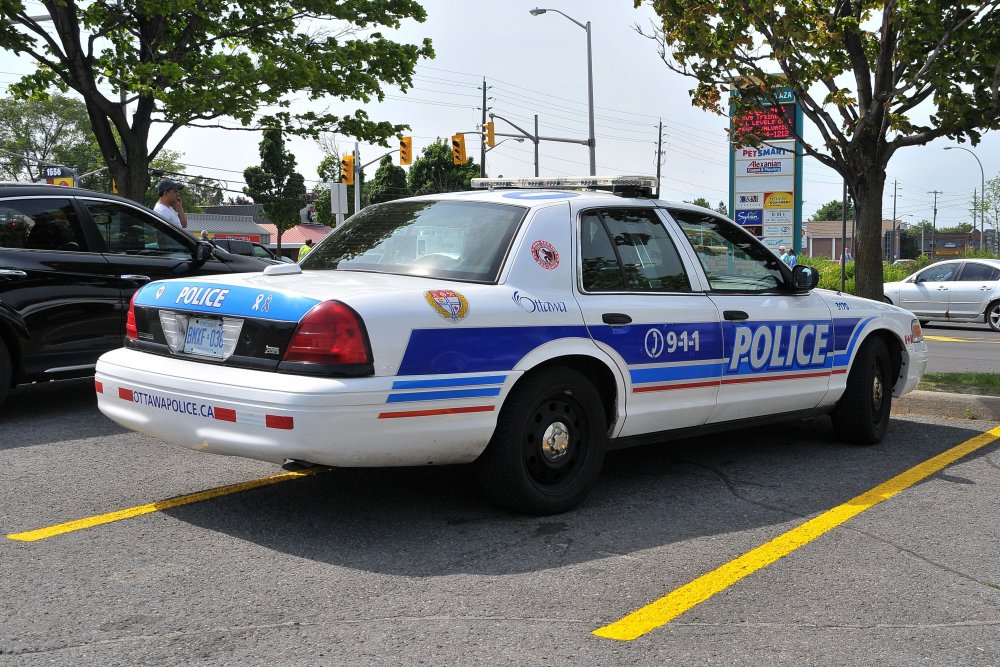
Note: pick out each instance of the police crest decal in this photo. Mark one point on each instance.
(449, 304)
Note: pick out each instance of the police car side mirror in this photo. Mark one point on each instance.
(203, 251)
(804, 277)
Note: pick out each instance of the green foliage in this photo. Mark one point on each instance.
(275, 184)
(45, 131)
(834, 210)
(187, 63)
(864, 73)
(700, 201)
(434, 171)
(388, 183)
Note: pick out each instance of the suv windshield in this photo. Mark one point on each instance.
(454, 240)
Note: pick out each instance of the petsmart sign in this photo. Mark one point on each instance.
(765, 182)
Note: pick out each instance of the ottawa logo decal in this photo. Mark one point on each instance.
(545, 254)
(449, 304)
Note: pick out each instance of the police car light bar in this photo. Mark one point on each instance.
(613, 183)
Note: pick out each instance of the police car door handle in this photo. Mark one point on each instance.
(13, 273)
(135, 278)
(616, 318)
(735, 315)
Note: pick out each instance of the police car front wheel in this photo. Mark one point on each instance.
(548, 448)
(862, 414)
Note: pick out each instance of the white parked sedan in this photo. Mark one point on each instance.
(956, 290)
(526, 327)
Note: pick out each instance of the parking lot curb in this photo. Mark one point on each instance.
(944, 404)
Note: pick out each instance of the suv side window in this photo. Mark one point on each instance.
(129, 232)
(732, 260)
(41, 224)
(629, 250)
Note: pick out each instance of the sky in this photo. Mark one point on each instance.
(538, 65)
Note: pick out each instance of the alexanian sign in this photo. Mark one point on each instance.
(765, 167)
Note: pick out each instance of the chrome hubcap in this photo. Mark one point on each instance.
(555, 441)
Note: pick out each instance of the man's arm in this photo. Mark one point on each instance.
(179, 207)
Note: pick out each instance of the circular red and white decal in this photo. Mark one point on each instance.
(545, 254)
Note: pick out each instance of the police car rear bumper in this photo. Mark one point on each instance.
(273, 417)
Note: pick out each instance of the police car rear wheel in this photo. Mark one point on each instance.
(862, 414)
(548, 449)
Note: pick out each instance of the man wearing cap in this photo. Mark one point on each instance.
(169, 207)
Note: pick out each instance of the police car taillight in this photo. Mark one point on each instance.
(330, 333)
(130, 329)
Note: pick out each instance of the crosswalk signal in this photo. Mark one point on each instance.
(347, 170)
(405, 150)
(489, 137)
(458, 149)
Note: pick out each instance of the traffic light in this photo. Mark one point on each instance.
(489, 138)
(406, 150)
(347, 170)
(458, 149)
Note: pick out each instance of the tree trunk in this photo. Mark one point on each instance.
(867, 192)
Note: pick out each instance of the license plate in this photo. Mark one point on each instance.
(204, 337)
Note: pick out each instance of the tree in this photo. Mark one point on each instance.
(275, 184)
(859, 69)
(45, 131)
(435, 171)
(833, 210)
(700, 201)
(722, 208)
(185, 64)
(388, 183)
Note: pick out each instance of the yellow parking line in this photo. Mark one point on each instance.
(675, 603)
(89, 522)
(947, 339)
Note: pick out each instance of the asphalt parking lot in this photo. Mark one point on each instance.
(412, 566)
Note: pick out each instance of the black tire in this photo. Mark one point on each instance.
(521, 469)
(6, 371)
(862, 414)
(993, 315)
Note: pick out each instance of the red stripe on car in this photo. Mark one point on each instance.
(277, 421)
(440, 411)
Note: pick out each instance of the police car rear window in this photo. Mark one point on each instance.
(453, 240)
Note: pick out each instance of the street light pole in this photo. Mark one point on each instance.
(982, 190)
(590, 83)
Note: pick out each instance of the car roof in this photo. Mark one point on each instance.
(10, 189)
(540, 197)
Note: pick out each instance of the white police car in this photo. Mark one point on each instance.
(526, 327)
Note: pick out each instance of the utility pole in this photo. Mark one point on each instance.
(975, 206)
(659, 158)
(482, 150)
(892, 243)
(934, 227)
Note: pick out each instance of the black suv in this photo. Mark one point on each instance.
(70, 261)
